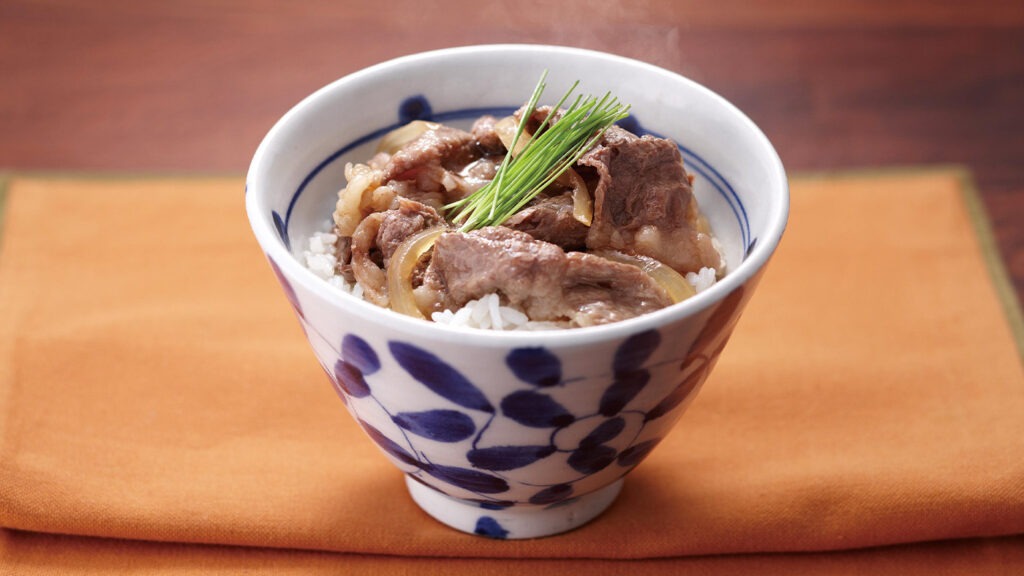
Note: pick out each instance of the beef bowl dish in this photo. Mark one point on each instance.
(603, 225)
(517, 265)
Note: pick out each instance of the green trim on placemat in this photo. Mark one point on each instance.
(993, 259)
(5, 183)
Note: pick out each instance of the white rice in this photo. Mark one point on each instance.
(702, 280)
(322, 260)
(487, 313)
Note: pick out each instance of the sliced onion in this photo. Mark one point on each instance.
(506, 131)
(401, 267)
(671, 281)
(582, 207)
(348, 211)
(399, 137)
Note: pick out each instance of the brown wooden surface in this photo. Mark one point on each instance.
(194, 85)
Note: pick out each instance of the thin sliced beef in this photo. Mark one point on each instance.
(468, 265)
(486, 138)
(444, 146)
(538, 276)
(343, 248)
(438, 167)
(538, 116)
(599, 291)
(551, 220)
(397, 225)
(614, 136)
(378, 236)
(641, 202)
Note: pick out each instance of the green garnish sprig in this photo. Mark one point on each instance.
(547, 155)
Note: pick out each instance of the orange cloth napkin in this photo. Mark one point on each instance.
(154, 386)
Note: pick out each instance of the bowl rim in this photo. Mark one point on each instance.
(290, 266)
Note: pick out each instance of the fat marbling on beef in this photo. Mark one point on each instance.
(440, 146)
(541, 278)
(551, 219)
(642, 202)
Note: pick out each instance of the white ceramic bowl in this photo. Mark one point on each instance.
(512, 434)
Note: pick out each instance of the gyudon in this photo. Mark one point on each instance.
(552, 217)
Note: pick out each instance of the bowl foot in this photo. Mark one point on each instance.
(516, 521)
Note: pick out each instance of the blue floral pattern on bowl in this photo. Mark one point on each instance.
(513, 435)
(523, 449)
(542, 443)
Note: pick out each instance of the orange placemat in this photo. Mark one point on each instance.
(154, 387)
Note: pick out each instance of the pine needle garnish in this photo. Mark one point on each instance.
(551, 151)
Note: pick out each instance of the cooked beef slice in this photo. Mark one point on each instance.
(641, 202)
(343, 248)
(486, 139)
(396, 225)
(615, 135)
(599, 291)
(551, 220)
(539, 277)
(468, 265)
(538, 116)
(376, 239)
(443, 146)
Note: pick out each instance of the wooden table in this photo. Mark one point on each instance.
(192, 86)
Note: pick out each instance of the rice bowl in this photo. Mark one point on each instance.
(510, 433)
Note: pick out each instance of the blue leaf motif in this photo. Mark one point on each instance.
(676, 397)
(489, 527)
(335, 384)
(562, 503)
(493, 504)
(607, 431)
(471, 480)
(389, 446)
(420, 480)
(289, 292)
(634, 454)
(626, 386)
(282, 230)
(350, 379)
(435, 374)
(592, 458)
(635, 350)
(552, 494)
(536, 410)
(537, 366)
(440, 425)
(358, 353)
(414, 108)
(501, 458)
